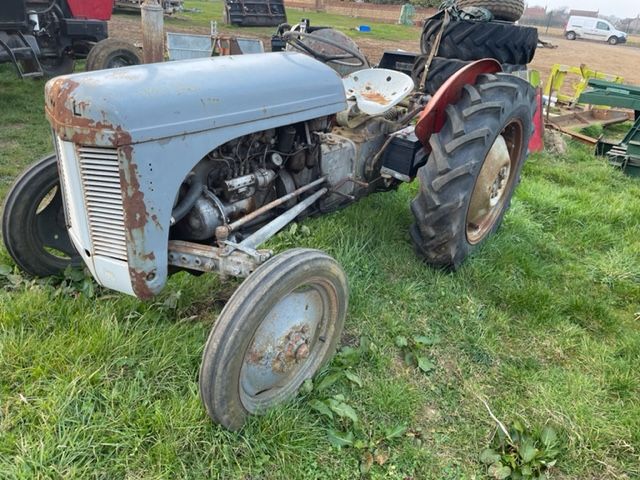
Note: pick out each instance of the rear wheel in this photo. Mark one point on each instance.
(112, 53)
(33, 222)
(474, 167)
(277, 329)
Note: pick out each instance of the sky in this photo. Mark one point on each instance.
(619, 8)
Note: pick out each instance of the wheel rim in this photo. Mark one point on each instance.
(48, 221)
(288, 346)
(119, 61)
(494, 182)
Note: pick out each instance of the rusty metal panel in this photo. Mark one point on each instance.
(151, 102)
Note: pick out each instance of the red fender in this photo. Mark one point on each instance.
(433, 116)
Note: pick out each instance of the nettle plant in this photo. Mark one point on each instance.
(344, 426)
(519, 453)
(413, 351)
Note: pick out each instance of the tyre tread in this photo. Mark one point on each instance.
(440, 207)
(469, 40)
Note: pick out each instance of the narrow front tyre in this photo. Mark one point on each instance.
(276, 331)
(33, 222)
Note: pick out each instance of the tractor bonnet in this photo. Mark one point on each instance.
(151, 102)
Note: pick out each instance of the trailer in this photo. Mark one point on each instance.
(626, 154)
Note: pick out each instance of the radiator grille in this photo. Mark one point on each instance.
(64, 183)
(103, 198)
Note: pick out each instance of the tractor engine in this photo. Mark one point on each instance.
(246, 173)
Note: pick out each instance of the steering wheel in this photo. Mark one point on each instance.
(295, 39)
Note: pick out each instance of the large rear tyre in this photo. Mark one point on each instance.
(508, 10)
(468, 40)
(278, 328)
(112, 53)
(474, 167)
(33, 222)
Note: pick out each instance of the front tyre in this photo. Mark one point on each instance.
(33, 222)
(277, 329)
(474, 167)
(613, 41)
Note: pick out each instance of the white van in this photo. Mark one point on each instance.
(593, 29)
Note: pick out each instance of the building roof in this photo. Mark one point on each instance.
(535, 12)
(584, 13)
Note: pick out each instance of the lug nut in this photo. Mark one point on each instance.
(302, 352)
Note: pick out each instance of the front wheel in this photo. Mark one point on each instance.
(474, 167)
(570, 35)
(613, 41)
(33, 222)
(277, 329)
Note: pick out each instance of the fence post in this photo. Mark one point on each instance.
(152, 15)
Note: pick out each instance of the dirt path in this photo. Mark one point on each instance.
(619, 60)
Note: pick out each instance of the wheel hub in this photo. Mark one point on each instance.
(284, 342)
(490, 189)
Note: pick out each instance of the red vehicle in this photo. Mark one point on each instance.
(45, 37)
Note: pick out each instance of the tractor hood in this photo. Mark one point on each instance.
(151, 102)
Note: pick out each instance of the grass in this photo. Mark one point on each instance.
(208, 11)
(613, 133)
(542, 323)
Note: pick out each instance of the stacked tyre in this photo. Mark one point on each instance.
(464, 41)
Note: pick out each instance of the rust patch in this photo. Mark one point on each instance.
(139, 284)
(135, 220)
(375, 97)
(64, 115)
(292, 349)
(149, 256)
(156, 221)
(135, 211)
(255, 356)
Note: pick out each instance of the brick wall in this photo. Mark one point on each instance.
(366, 11)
